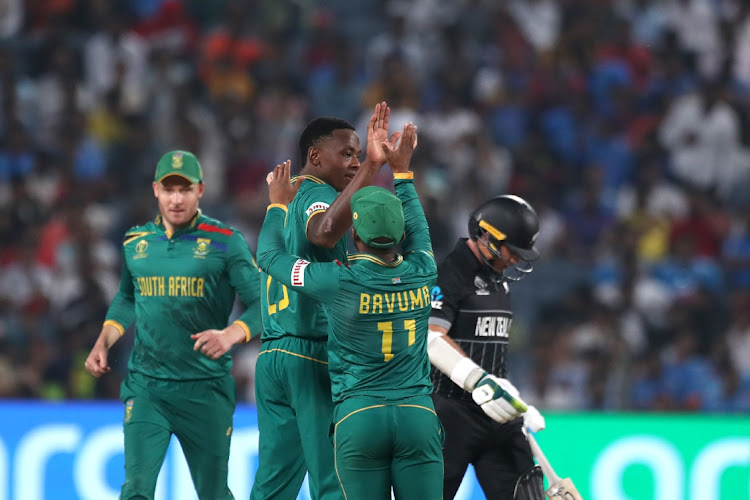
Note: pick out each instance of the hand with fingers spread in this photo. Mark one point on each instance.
(377, 135)
(281, 191)
(398, 151)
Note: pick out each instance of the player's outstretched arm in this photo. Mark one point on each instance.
(327, 228)
(498, 398)
(417, 235)
(317, 280)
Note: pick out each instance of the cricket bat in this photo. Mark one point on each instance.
(559, 489)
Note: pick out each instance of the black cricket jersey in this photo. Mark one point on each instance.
(475, 311)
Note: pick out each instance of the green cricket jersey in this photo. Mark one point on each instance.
(176, 285)
(295, 314)
(378, 310)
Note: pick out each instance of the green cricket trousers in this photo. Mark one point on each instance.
(379, 446)
(198, 412)
(293, 398)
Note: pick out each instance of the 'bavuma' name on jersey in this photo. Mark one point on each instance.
(407, 300)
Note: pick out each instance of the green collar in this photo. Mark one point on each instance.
(308, 177)
(376, 260)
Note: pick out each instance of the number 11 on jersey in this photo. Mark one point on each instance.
(386, 327)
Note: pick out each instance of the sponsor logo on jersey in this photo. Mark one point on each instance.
(316, 207)
(481, 285)
(298, 272)
(201, 248)
(140, 250)
(492, 326)
(405, 300)
(436, 298)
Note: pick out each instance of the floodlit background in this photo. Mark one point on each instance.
(623, 122)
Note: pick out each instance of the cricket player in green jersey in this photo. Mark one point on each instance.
(180, 275)
(292, 385)
(385, 430)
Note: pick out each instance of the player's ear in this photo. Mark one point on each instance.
(156, 189)
(313, 156)
(201, 188)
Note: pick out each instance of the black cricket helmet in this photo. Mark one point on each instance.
(507, 220)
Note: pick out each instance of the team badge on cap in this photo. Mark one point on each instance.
(177, 160)
(182, 163)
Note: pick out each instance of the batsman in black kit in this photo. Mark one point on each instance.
(468, 343)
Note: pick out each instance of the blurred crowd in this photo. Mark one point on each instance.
(623, 122)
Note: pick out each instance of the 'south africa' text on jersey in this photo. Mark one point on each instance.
(172, 286)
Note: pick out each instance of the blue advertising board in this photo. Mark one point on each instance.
(73, 451)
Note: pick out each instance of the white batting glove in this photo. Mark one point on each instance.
(533, 420)
(498, 398)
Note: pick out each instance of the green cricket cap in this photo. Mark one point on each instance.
(182, 163)
(377, 213)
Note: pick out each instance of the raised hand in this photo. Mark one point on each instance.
(377, 135)
(280, 188)
(397, 152)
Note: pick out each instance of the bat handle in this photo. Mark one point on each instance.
(552, 477)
